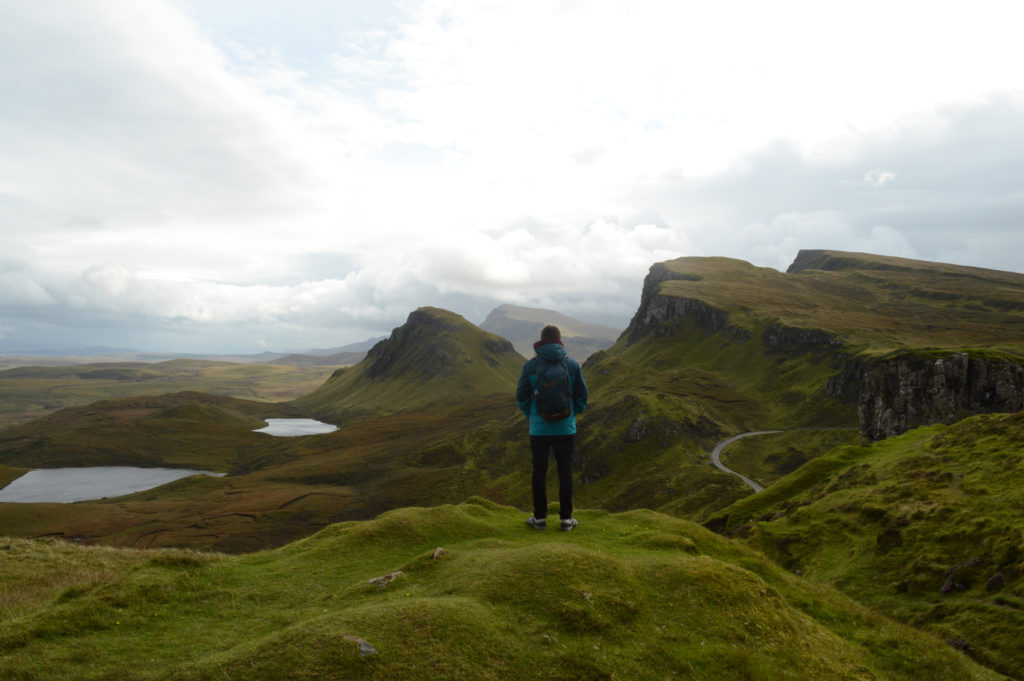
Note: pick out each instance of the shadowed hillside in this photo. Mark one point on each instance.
(522, 325)
(450, 592)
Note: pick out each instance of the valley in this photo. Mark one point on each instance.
(886, 543)
(29, 392)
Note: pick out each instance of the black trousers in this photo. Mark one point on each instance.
(562, 446)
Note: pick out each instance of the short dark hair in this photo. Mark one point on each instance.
(550, 333)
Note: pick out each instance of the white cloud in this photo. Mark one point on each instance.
(878, 178)
(17, 286)
(330, 166)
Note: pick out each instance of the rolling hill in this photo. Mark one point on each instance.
(454, 592)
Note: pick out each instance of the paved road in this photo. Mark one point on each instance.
(716, 455)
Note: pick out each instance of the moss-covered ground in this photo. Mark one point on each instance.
(450, 592)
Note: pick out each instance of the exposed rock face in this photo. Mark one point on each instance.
(785, 338)
(894, 396)
(656, 310)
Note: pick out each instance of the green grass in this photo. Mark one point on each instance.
(925, 527)
(636, 595)
(766, 458)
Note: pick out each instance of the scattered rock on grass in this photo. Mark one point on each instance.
(364, 647)
(382, 582)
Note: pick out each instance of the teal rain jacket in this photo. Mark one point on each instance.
(551, 352)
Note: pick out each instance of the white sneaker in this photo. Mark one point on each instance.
(537, 523)
(569, 524)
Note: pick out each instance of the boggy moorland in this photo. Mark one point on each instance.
(913, 513)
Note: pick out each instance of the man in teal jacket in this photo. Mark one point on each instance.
(546, 436)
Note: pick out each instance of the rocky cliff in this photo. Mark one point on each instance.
(657, 311)
(899, 394)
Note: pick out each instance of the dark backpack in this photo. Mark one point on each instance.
(551, 394)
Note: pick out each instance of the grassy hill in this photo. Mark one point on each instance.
(436, 358)
(455, 592)
(925, 527)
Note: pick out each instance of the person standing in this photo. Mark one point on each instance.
(550, 393)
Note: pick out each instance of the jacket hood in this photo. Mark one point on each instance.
(551, 352)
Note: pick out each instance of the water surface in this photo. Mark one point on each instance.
(296, 427)
(67, 485)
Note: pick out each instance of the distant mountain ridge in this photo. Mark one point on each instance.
(522, 325)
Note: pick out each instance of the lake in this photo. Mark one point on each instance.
(296, 427)
(67, 485)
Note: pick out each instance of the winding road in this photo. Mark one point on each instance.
(716, 456)
(716, 453)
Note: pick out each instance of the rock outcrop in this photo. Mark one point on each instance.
(899, 394)
(784, 338)
(656, 311)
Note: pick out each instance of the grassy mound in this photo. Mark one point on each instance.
(455, 592)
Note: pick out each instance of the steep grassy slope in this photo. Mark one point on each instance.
(464, 592)
(436, 358)
(30, 392)
(661, 402)
(927, 527)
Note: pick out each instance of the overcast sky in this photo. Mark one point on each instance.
(244, 175)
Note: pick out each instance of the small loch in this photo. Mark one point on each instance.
(296, 427)
(68, 485)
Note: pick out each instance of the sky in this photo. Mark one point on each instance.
(237, 176)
